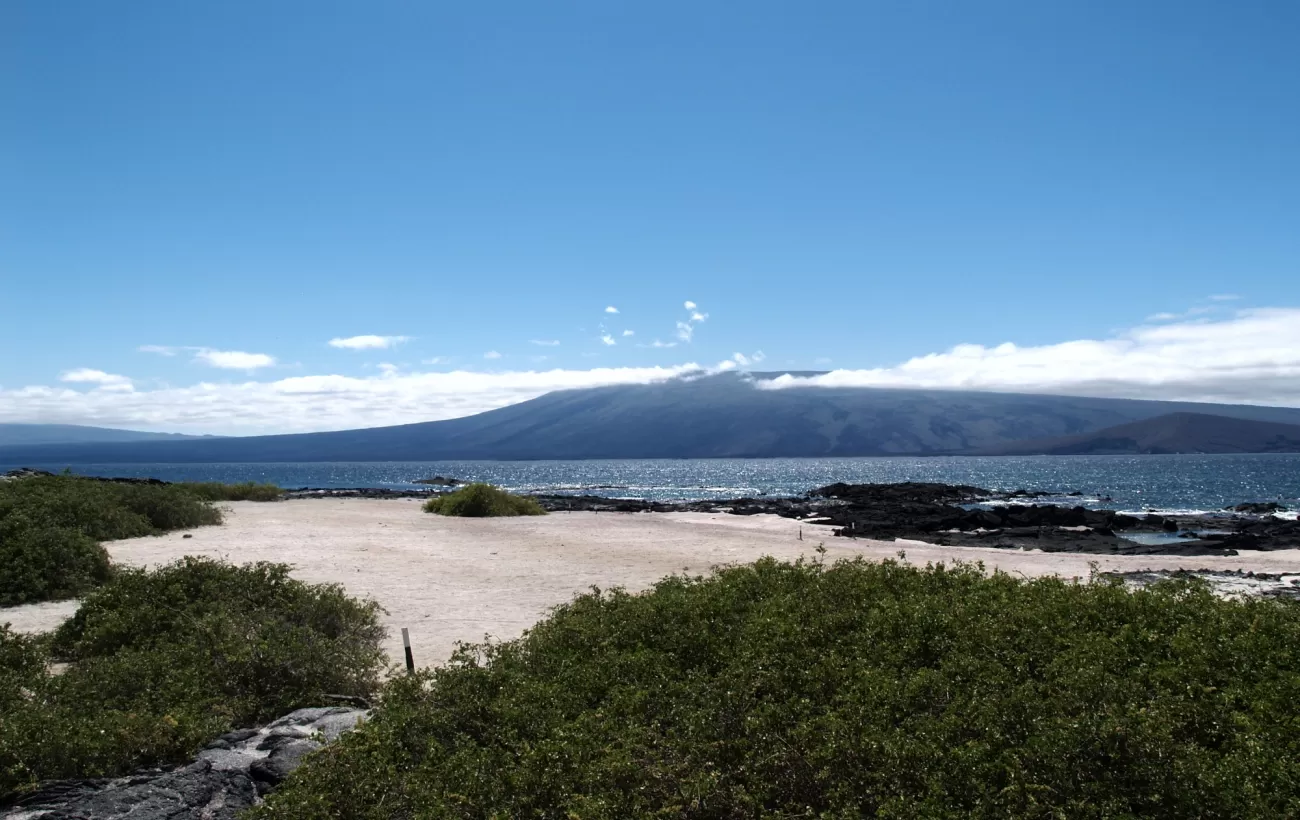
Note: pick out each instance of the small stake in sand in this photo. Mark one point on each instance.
(406, 644)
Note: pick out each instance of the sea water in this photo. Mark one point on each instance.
(1183, 483)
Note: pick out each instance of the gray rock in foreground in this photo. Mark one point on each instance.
(230, 775)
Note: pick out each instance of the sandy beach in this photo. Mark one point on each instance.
(453, 579)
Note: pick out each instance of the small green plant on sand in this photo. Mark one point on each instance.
(244, 491)
(482, 501)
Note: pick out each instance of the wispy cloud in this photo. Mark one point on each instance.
(545, 342)
(608, 340)
(821, 361)
(659, 343)
(233, 359)
(1200, 310)
(102, 380)
(437, 360)
(686, 329)
(627, 333)
(225, 359)
(611, 309)
(1224, 297)
(368, 342)
(492, 354)
(1250, 357)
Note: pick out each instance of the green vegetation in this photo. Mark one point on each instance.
(50, 527)
(163, 661)
(845, 691)
(482, 501)
(244, 491)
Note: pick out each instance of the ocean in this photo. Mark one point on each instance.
(1182, 483)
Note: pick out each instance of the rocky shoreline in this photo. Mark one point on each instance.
(965, 516)
(941, 514)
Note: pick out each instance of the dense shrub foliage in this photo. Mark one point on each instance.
(244, 491)
(50, 527)
(482, 501)
(854, 690)
(162, 661)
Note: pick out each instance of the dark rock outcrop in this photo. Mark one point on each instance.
(1257, 507)
(439, 481)
(230, 775)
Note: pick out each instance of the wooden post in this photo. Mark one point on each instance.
(406, 644)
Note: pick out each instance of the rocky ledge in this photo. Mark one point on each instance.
(960, 515)
(233, 773)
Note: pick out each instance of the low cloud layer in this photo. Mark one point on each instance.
(1251, 357)
(307, 403)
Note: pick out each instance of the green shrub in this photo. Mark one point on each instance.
(22, 667)
(482, 501)
(49, 564)
(163, 661)
(855, 690)
(244, 491)
(50, 526)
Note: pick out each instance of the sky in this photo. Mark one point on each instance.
(280, 216)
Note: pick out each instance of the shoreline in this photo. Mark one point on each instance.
(456, 579)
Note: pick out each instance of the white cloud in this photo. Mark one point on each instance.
(492, 354)
(438, 360)
(689, 305)
(657, 343)
(740, 359)
(627, 333)
(607, 340)
(233, 359)
(685, 330)
(368, 342)
(388, 368)
(101, 380)
(758, 356)
(821, 360)
(1224, 297)
(304, 403)
(611, 309)
(161, 350)
(699, 317)
(1252, 357)
(545, 342)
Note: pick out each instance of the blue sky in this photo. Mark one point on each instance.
(195, 199)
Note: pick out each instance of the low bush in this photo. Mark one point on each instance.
(482, 501)
(853, 690)
(164, 660)
(49, 565)
(244, 491)
(50, 527)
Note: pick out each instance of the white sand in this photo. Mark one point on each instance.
(456, 579)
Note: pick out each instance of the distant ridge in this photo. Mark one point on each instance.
(1171, 433)
(14, 435)
(721, 416)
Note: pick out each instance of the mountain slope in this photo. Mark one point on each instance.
(17, 435)
(1172, 433)
(724, 416)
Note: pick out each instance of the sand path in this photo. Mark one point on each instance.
(450, 579)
